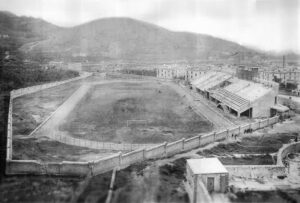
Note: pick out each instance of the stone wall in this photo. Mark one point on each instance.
(285, 150)
(255, 171)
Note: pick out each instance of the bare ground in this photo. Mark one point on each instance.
(30, 110)
(146, 182)
(262, 143)
(104, 113)
(161, 180)
(38, 188)
(97, 189)
(45, 149)
(278, 196)
(264, 159)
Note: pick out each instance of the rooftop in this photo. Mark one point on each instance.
(248, 90)
(206, 166)
(210, 80)
(280, 108)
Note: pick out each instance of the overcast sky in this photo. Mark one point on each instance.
(272, 25)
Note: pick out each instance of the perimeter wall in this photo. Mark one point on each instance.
(123, 160)
(119, 160)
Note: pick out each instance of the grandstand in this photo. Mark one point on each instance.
(246, 98)
(237, 96)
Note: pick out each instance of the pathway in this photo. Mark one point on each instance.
(199, 105)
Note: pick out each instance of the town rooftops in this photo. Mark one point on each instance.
(206, 166)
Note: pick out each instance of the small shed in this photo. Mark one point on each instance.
(210, 171)
(281, 110)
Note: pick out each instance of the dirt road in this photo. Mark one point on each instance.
(200, 107)
(51, 125)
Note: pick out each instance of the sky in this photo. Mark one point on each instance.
(270, 25)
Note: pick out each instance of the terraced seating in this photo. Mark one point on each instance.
(230, 99)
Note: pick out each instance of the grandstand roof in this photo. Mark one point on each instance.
(230, 99)
(246, 89)
(240, 94)
(210, 80)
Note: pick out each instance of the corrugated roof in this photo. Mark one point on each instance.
(230, 99)
(240, 94)
(210, 80)
(246, 89)
(206, 166)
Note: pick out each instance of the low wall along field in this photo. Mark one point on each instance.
(118, 160)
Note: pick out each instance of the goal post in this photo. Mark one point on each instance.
(130, 122)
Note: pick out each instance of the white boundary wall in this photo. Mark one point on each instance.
(123, 160)
(116, 161)
(32, 89)
(28, 90)
(255, 171)
(9, 131)
(66, 139)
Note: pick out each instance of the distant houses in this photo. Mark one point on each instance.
(170, 72)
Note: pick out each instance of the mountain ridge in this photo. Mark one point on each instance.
(121, 38)
(127, 38)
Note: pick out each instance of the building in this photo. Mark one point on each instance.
(170, 72)
(194, 73)
(75, 66)
(247, 73)
(280, 110)
(205, 176)
(281, 76)
(246, 98)
(239, 97)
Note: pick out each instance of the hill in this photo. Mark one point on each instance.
(16, 31)
(114, 39)
(129, 39)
